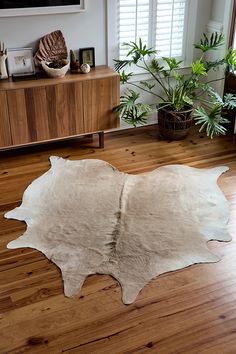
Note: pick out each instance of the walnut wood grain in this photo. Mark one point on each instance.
(50, 109)
(5, 132)
(18, 116)
(100, 97)
(191, 311)
(96, 73)
(65, 109)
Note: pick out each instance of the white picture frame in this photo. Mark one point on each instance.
(20, 61)
(47, 10)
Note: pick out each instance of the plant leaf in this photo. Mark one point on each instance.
(124, 78)
(155, 66)
(210, 42)
(213, 64)
(172, 63)
(198, 68)
(212, 93)
(147, 85)
(211, 122)
(188, 100)
(229, 101)
(131, 111)
(230, 59)
(120, 64)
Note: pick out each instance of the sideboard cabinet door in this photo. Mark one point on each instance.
(5, 132)
(45, 113)
(65, 109)
(28, 115)
(100, 96)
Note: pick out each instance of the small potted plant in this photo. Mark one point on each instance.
(74, 63)
(180, 98)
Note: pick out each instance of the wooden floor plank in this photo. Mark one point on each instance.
(190, 311)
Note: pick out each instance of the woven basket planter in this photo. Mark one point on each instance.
(174, 125)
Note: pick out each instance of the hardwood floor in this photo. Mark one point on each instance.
(191, 311)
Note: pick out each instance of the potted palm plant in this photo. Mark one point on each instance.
(180, 99)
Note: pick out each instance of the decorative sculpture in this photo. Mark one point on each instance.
(85, 68)
(3, 57)
(52, 47)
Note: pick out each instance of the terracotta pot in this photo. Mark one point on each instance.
(175, 125)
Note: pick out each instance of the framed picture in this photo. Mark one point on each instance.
(37, 7)
(20, 61)
(87, 55)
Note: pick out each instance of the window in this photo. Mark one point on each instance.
(160, 23)
(168, 25)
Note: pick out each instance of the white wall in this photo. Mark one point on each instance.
(220, 21)
(84, 29)
(88, 29)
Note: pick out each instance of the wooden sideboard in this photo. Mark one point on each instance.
(48, 109)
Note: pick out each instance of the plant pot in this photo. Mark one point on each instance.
(75, 66)
(55, 72)
(175, 125)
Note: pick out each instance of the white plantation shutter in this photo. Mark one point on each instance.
(170, 20)
(133, 22)
(159, 23)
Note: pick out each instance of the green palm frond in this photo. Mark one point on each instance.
(229, 101)
(172, 63)
(188, 100)
(120, 64)
(210, 42)
(124, 78)
(212, 93)
(230, 59)
(177, 76)
(211, 122)
(139, 50)
(136, 52)
(131, 111)
(155, 66)
(213, 64)
(147, 85)
(198, 68)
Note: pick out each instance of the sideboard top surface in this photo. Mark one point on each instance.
(99, 72)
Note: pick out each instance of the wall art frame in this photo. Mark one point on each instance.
(20, 61)
(87, 55)
(45, 10)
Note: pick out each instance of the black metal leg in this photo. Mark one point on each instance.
(101, 140)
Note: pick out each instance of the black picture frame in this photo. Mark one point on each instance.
(87, 55)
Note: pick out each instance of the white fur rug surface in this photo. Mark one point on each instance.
(87, 217)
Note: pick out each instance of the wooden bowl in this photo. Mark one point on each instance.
(56, 73)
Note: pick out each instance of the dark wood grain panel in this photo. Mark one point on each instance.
(5, 132)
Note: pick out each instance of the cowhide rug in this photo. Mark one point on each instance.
(87, 217)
